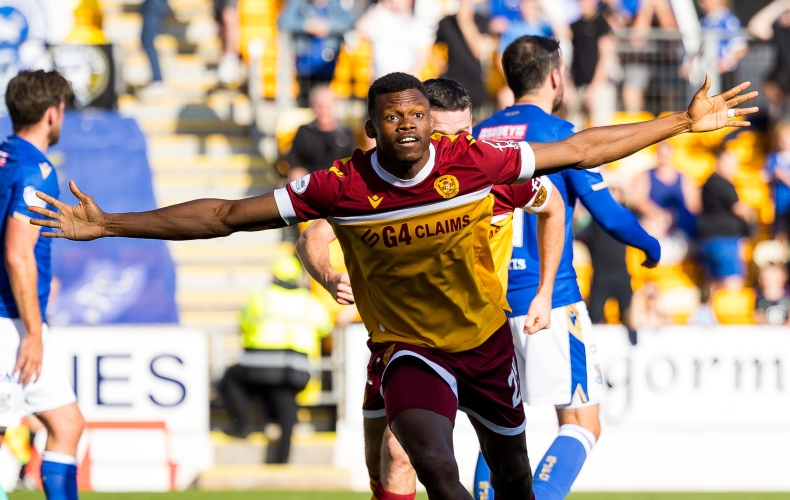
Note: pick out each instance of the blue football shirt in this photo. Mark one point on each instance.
(23, 171)
(526, 122)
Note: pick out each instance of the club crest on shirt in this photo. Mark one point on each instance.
(540, 198)
(447, 186)
(299, 186)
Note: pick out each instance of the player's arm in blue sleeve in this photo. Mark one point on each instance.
(614, 218)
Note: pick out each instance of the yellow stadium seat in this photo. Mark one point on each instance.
(734, 308)
(640, 161)
(583, 267)
(288, 122)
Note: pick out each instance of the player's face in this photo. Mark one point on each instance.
(452, 122)
(401, 126)
(56, 124)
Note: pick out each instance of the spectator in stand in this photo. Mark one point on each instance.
(401, 42)
(645, 58)
(322, 141)
(704, 315)
(227, 15)
(777, 172)
(317, 27)
(464, 34)
(664, 189)
(611, 278)
(721, 225)
(152, 12)
(531, 22)
(772, 24)
(732, 46)
(594, 53)
(646, 313)
(773, 296)
(502, 13)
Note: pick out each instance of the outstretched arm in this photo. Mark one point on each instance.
(600, 145)
(199, 219)
(313, 250)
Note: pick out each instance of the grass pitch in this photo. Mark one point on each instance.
(291, 495)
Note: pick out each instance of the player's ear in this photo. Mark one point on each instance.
(370, 130)
(556, 78)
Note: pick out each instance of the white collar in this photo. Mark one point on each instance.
(397, 181)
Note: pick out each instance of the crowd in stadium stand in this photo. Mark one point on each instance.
(701, 197)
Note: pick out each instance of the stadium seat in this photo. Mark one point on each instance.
(734, 307)
(288, 122)
(640, 161)
(583, 267)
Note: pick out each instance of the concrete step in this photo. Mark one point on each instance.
(311, 449)
(279, 477)
(222, 277)
(183, 147)
(210, 165)
(209, 319)
(201, 300)
(179, 71)
(231, 251)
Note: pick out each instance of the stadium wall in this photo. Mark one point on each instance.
(686, 409)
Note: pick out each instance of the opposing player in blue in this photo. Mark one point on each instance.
(557, 366)
(32, 379)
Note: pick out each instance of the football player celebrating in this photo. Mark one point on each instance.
(558, 367)
(391, 474)
(412, 217)
(35, 380)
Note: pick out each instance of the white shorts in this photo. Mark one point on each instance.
(559, 365)
(51, 390)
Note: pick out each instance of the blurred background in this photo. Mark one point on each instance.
(181, 99)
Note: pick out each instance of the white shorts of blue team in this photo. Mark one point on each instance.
(52, 389)
(559, 365)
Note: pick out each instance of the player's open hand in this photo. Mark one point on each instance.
(28, 364)
(83, 222)
(539, 314)
(712, 113)
(340, 288)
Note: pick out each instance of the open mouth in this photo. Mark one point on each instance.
(408, 140)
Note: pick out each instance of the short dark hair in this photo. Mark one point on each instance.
(391, 83)
(528, 61)
(31, 93)
(447, 95)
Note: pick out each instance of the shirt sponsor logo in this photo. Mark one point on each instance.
(299, 186)
(375, 200)
(3, 158)
(504, 133)
(447, 186)
(29, 195)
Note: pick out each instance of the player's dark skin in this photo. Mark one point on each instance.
(426, 436)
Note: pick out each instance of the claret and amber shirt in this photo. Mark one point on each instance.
(531, 196)
(417, 250)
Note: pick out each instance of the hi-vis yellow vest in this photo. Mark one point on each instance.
(279, 318)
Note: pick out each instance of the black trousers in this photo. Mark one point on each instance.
(603, 288)
(241, 384)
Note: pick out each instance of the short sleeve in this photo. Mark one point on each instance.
(23, 192)
(503, 162)
(310, 197)
(533, 196)
(585, 182)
